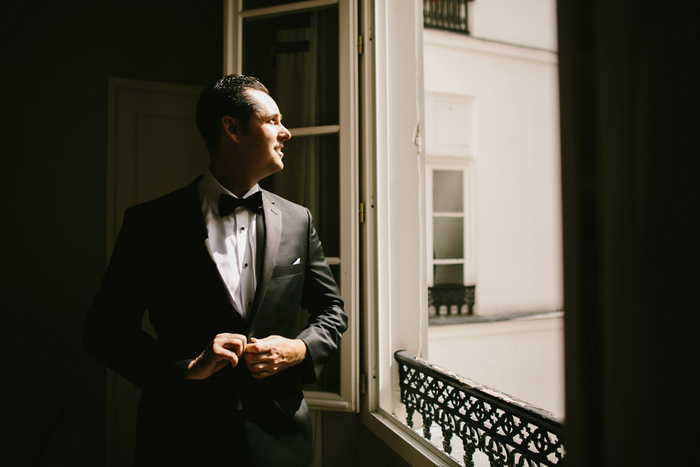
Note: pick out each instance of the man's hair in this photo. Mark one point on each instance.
(227, 96)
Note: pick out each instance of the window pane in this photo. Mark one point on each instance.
(448, 274)
(296, 57)
(447, 191)
(329, 380)
(448, 237)
(311, 177)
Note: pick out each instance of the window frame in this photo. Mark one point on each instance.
(392, 167)
(468, 261)
(348, 398)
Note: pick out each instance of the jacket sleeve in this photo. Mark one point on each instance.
(112, 332)
(321, 298)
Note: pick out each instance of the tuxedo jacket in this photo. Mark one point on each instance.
(162, 263)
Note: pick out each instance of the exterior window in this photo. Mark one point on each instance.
(450, 279)
(448, 227)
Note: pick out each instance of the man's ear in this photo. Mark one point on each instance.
(232, 128)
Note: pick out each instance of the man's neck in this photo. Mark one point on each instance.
(234, 181)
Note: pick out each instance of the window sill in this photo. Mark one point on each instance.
(410, 445)
(471, 319)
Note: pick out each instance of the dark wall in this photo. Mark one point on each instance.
(629, 79)
(347, 442)
(56, 59)
(55, 63)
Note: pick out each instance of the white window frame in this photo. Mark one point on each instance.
(395, 303)
(348, 397)
(466, 166)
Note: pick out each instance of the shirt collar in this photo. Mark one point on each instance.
(213, 190)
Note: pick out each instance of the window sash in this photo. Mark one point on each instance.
(346, 128)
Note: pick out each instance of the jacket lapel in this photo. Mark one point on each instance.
(271, 232)
(196, 219)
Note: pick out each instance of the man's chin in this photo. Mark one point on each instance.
(277, 167)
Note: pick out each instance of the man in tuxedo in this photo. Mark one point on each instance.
(222, 267)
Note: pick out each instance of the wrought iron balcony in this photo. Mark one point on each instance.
(506, 431)
(446, 14)
(459, 296)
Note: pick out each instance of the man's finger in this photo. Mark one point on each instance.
(231, 342)
(224, 349)
(257, 355)
(221, 352)
(262, 369)
(257, 346)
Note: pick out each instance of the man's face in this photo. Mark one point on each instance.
(262, 141)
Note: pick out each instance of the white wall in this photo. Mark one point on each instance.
(515, 153)
(529, 23)
(522, 358)
(503, 83)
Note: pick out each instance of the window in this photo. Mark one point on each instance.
(304, 53)
(380, 163)
(406, 151)
(448, 227)
(394, 242)
(451, 286)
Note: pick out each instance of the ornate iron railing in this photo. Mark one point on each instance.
(509, 432)
(446, 14)
(449, 295)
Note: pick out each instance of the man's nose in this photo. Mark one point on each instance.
(284, 133)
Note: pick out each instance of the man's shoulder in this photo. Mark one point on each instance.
(284, 204)
(170, 204)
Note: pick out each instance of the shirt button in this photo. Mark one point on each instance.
(242, 229)
(245, 265)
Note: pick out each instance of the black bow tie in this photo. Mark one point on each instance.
(228, 204)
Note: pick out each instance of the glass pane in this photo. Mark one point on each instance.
(448, 238)
(447, 191)
(296, 57)
(329, 381)
(448, 274)
(311, 177)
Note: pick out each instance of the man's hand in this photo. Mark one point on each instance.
(268, 356)
(224, 349)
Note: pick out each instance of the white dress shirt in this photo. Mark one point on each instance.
(232, 242)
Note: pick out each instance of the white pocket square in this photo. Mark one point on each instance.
(298, 261)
